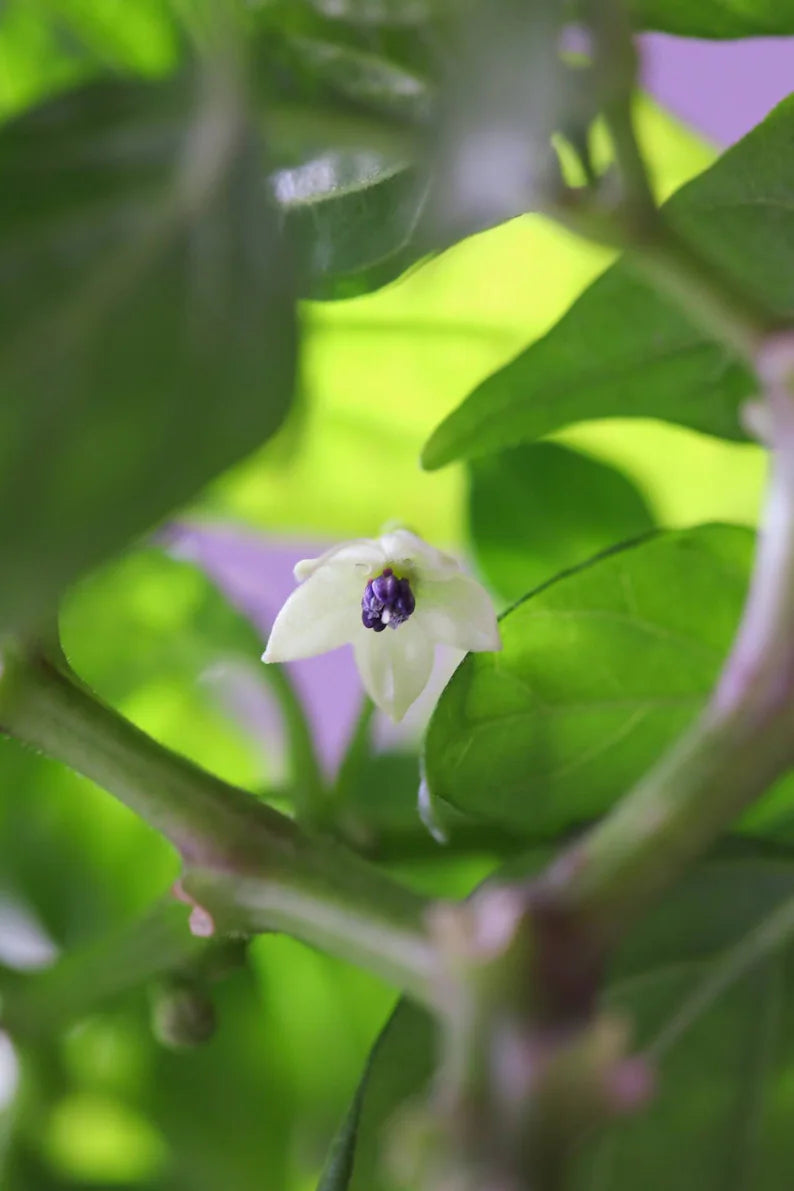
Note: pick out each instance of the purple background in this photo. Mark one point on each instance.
(722, 89)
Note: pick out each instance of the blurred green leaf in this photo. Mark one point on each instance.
(623, 350)
(378, 12)
(381, 370)
(725, 1048)
(351, 217)
(47, 45)
(146, 255)
(600, 669)
(398, 1070)
(689, 18)
(542, 508)
(715, 18)
(148, 632)
(363, 77)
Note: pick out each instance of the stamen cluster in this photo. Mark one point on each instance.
(387, 600)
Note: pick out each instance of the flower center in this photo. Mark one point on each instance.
(387, 600)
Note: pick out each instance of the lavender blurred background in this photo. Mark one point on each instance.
(722, 89)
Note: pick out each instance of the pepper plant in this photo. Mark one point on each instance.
(194, 198)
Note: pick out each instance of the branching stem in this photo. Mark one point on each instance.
(248, 868)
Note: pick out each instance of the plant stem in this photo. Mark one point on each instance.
(250, 868)
(310, 795)
(357, 753)
(741, 743)
(635, 223)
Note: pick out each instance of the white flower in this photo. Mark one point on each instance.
(355, 592)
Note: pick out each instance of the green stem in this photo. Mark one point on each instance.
(357, 753)
(635, 223)
(250, 868)
(310, 795)
(702, 291)
(742, 742)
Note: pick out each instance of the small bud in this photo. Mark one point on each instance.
(182, 1014)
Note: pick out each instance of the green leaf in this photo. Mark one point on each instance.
(542, 508)
(417, 348)
(378, 12)
(600, 670)
(147, 336)
(365, 78)
(688, 18)
(399, 1068)
(624, 351)
(47, 45)
(351, 215)
(712, 1000)
(715, 18)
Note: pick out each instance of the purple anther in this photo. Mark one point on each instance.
(387, 600)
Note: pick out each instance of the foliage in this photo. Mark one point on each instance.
(261, 258)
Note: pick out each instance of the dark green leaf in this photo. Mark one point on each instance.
(600, 670)
(147, 338)
(715, 18)
(725, 1047)
(46, 46)
(688, 18)
(540, 509)
(365, 78)
(378, 12)
(351, 216)
(399, 1069)
(624, 351)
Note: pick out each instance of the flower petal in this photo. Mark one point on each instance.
(457, 611)
(394, 666)
(364, 552)
(400, 546)
(323, 613)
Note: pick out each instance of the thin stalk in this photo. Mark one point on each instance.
(310, 795)
(741, 743)
(250, 868)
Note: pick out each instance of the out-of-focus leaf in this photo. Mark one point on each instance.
(147, 338)
(363, 77)
(381, 370)
(734, 1058)
(540, 509)
(141, 36)
(351, 217)
(599, 670)
(715, 18)
(625, 351)
(687, 18)
(46, 45)
(379, 12)
(398, 1070)
(148, 632)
